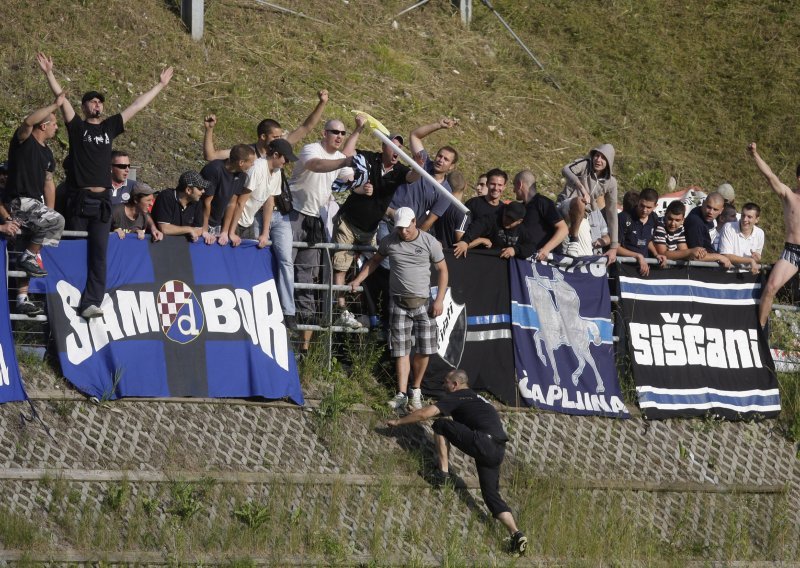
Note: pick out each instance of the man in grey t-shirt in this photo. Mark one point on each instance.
(411, 252)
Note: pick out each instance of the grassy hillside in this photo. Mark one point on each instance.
(679, 88)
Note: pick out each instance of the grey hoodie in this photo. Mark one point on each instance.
(581, 172)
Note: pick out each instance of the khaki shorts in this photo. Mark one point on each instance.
(344, 233)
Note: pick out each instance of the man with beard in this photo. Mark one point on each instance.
(89, 178)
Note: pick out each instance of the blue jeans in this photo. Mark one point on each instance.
(280, 233)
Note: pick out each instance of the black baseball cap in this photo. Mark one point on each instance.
(283, 148)
(514, 211)
(89, 95)
(3, 166)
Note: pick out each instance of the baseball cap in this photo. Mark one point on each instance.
(3, 166)
(726, 191)
(142, 188)
(282, 147)
(514, 211)
(192, 179)
(403, 217)
(398, 137)
(89, 95)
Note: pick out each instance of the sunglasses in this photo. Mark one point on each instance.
(122, 166)
(341, 132)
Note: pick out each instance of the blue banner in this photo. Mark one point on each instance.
(180, 319)
(11, 388)
(563, 340)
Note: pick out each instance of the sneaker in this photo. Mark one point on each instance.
(92, 312)
(348, 320)
(399, 402)
(416, 399)
(443, 479)
(29, 265)
(519, 543)
(573, 248)
(290, 322)
(28, 308)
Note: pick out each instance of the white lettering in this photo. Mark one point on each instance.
(78, 343)
(220, 309)
(138, 316)
(269, 322)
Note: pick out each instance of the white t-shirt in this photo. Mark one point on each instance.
(734, 242)
(310, 190)
(262, 184)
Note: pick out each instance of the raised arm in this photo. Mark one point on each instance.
(350, 144)
(777, 186)
(144, 99)
(37, 116)
(209, 151)
(46, 65)
(323, 165)
(422, 131)
(313, 119)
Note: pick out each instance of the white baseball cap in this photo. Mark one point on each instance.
(403, 217)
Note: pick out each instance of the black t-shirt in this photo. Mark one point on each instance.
(445, 227)
(541, 217)
(473, 411)
(223, 186)
(697, 230)
(28, 164)
(490, 227)
(89, 160)
(479, 207)
(365, 211)
(167, 209)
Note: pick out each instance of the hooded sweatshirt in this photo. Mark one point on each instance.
(580, 172)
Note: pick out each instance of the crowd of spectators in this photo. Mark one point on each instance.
(244, 192)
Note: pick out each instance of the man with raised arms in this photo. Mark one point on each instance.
(89, 175)
(788, 263)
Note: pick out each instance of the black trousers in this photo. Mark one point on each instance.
(488, 455)
(91, 212)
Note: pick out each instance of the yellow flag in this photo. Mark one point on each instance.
(373, 122)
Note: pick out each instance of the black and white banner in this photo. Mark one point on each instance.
(695, 343)
(474, 331)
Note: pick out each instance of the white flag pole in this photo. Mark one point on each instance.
(377, 130)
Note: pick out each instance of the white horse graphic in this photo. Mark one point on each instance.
(558, 306)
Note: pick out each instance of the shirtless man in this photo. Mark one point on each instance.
(787, 265)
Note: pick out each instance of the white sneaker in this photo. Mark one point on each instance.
(92, 312)
(348, 320)
(399, 402)
(573, 248)
(416, 399)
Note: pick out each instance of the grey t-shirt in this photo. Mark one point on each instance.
(410, 275)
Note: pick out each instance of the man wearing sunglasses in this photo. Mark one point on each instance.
(88, 167)
(314, 172)
(121, 186)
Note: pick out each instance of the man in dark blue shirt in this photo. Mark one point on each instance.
(636, 229)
